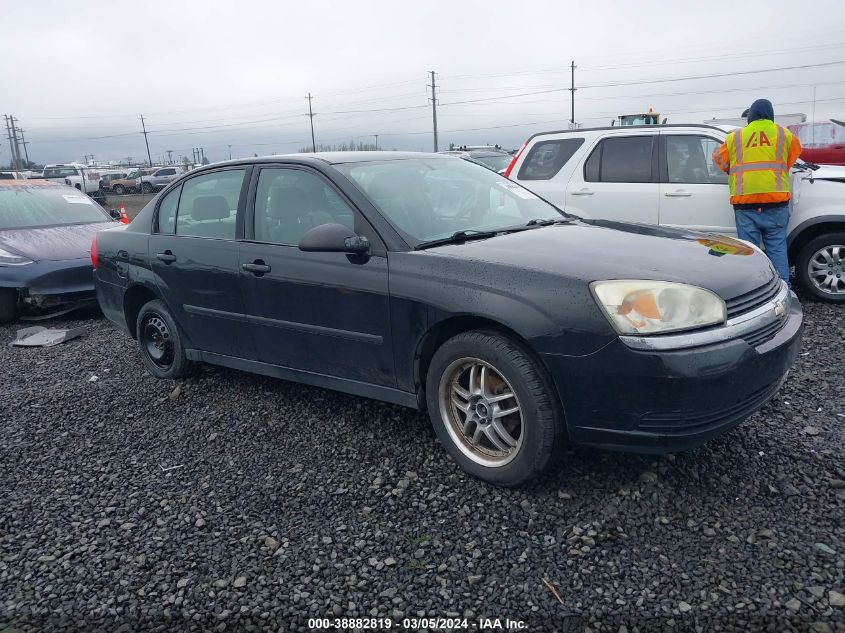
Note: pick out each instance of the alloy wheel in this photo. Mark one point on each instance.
(826, 269)
(481, 412)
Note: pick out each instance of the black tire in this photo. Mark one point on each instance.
(146, 187)
(9, 306)
(78, 187)
(164, 356)
(542, 429)
(119, 190)
(803, 262)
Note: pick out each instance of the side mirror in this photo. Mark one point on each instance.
(115, 214)
(334, 238)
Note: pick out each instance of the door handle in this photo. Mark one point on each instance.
(677, 194)
(258, 267)
(583, 192)
(167, 257)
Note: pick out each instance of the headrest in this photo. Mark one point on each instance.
(210, 208)
(289, 202)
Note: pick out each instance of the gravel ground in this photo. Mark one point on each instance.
(235, 502)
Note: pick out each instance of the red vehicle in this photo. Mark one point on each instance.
(823, 143)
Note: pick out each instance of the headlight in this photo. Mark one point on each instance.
(654, 307)
(10, 259)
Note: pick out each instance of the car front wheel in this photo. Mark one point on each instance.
(146, 187)
(162, 349)
(493, 408)
(119, 190)
(821, 267)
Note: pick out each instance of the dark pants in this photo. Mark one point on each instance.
(767, 229)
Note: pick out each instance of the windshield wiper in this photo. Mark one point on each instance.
(458, 237)
(549, 222)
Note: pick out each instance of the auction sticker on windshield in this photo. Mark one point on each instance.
(516, 189)
(74, 199)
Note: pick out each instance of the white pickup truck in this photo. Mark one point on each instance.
(664, 174)
(79, 176)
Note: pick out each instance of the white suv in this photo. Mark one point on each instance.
(665, 175)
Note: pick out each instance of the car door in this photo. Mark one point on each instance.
(618, 180)
(163, 177)
(693, 191)
(193, 251)
(326, 313)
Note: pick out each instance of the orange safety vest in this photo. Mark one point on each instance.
(759, 163)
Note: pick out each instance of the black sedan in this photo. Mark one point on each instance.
(45, 241)
(431, 282)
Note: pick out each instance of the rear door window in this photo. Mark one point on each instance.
(546, 158)
(621, 159)
(208, 206)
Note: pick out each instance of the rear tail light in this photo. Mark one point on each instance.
(508, 171)
(94, 251)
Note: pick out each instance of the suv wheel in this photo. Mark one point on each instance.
(493, 408)
(821, 267)
(8, 305)
(146, 187)
(161, 345)
(119, 190)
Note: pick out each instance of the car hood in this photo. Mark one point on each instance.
(829, 172)
(52, 243)
(599, 249)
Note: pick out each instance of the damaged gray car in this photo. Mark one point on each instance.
(45, 247)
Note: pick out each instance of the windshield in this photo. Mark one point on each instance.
(496, 163)
(30, 207)
(134, 174)
(431, 198)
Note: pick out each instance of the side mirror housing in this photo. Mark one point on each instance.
(115, 214)
(334, 238)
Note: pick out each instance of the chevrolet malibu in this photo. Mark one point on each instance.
(434, 283)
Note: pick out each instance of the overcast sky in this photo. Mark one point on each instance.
(77, 75)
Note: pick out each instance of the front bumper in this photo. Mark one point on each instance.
(46, 284)
(655, 400)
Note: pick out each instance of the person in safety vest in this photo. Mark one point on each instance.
(758, 159)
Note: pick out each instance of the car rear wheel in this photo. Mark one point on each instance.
(9, 307)
(146, 187)
(119, 190)
(493, 408)
(821, 267)
(161, 345)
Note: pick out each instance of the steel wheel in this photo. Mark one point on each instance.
(481, 412)
(826, 269)
(157, 341)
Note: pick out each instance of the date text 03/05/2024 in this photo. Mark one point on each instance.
(430, 623)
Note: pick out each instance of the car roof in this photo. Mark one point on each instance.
(35, 183)
(701, 126)
(332, 158)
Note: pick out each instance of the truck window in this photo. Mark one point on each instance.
(546, 158)
(621, 159)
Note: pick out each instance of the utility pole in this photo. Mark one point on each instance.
(24, 142)
(170, 157)
(202, 153)
(12, 120)
(12, 143)
(230, 152)
(434, 108)
(311, 116)
(144, 128)
(572, 92)
(376, 135)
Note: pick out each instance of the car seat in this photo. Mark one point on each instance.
(206, 209)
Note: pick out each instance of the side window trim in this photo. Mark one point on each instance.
(249, 215)
(156, 226)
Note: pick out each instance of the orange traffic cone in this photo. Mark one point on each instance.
(124, 219)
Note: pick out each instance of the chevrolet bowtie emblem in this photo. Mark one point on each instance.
(780, 309)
